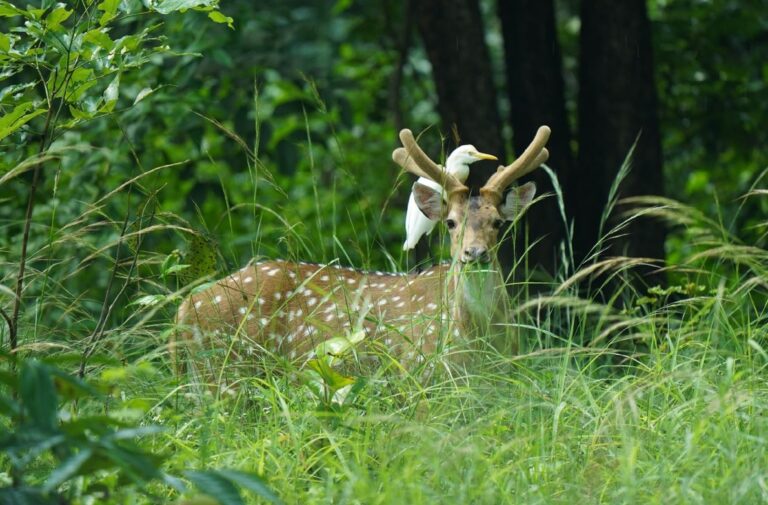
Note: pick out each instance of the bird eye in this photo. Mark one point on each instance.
(450, 223)
(498, 223)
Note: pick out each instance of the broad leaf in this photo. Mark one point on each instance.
(18, 117)
(251, 482)
(213, 484)
(38, 395)
(67, 469)
(168, 6)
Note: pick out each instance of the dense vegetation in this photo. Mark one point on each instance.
(147, 146)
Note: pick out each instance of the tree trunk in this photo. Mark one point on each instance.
(453, 36)
(617, 102)
(536, 96)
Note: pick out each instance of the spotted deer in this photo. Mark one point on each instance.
(287, 308)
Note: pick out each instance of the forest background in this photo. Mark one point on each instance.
(137, 138)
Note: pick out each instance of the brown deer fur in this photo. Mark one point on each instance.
(287, 308)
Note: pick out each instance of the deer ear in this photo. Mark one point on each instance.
(429, 201)
(516, 200)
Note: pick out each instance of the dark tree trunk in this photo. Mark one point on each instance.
(453, 35)
(617, 101)
(536, 96)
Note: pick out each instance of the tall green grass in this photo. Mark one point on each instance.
(655, 396)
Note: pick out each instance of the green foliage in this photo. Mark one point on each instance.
(40, 433)
(175, 142)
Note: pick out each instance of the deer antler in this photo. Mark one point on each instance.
(533, 156)
(415, 161)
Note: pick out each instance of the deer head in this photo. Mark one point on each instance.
(474, 221)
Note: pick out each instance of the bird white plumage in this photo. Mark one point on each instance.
(457, 164)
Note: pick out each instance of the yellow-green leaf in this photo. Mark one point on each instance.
(57, 16)
(100, 38)
(18, 117)
(218, 17)
(110, 11)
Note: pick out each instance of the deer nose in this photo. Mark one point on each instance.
(475, 253)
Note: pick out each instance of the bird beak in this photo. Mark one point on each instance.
(483, 156)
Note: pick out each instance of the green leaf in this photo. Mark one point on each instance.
(110, 11)
(213, 484)
(333, 379)
(18, 117)
(99, 37)
(149, 300)
(56, 17)
(38, 395)
(9, 10)
(138, 465)
(67, 469)
(5, 43)
(168, 6)
(110, 95)
(218, 17)
(145, 92)
(251, 482)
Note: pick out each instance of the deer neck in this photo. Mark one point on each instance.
(477, 292)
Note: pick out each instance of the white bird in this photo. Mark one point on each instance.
(457, 164)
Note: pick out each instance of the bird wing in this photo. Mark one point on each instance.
(416, 223)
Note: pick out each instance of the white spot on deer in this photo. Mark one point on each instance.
(388, 341)
(291, 315)
(400, 305)
(409, 355)
(290, 337)
(197, 334)
(456, 333)
(324, 278)
(248, 280)
(395, 298)
(431, 329)
(351, 281)
(421, 298)
(378, 272)
(299, 312)
(260, 301)
(306, 292)
(330, 308)
(431, 306)
(278, 295)
(250, 316)
(265, 267)
(264, 321)
(242, 310)
(330, 317)
(198, 304)
(420, 359)
(293, 354)
(217, 299)
(312, 301)
(273, 272)
(292, 275)
(381, 302)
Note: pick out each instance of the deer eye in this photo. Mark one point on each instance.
(498, 223)
(450, 223)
